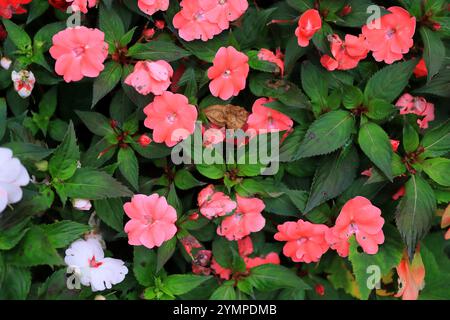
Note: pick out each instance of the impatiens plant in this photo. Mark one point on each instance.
(224, 149)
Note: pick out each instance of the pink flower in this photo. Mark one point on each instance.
(308, 24)
(151, 6)
(171, 117)
(264, 119)
(192, 24)
(277, 58)
(271, 258)
(222, 12)
(411, 277)
(79, 52)
(346, 54)
(358, 216)
(228, 73)
(10, 7)
(305, 240)
(222, 272)
(390, 36)
(421, 69)
(152, 220)
(213, 136)
(82, 5)
(416, 105)
(150, 76)
(246, 219)
(214, 204)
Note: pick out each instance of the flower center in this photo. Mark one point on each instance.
(352, 229)
(171, 118)
(227, 73)
(93, 263)
(78, 51)
(390, 33)
(199, 16)
(222, 2)
(301, 240)
(148, 219)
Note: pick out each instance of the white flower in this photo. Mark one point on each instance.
(94, 269)
(23, 81)
(81, 204)
(13, 175)
(5, 63)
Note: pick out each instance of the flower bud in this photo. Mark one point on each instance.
(160, 24)
(144, 140)
(5, 63)
(23, 81)
(81, 204)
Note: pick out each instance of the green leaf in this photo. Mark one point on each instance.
(17, 35)
(15, 283)
(43, 38)
(335, 174)
(375, 143)
(256, 63)
(165, 252)
(3, 114)
(379, 109)
(269, 277)
(110, 211)
(328, 133)
(389, 82)
(301, 5)
(352, 98)
(96, 122)
(184, 180)
(157, 50)
(433, 51)
(215, 171)
(224, 292)
(144, 265)
(37, 8)
(179, 284)
(438, 169)
(415, 212)
(365, 265)
(128, 166)
(111, 24)
(106, 81)
(436, 142)
(34, 249)
(410, 138)
(61, 234)
(94, 185)
(63, 163)
(12, 235)
(314, 83)
(226, 254)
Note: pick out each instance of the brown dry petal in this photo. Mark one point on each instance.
(229, 116)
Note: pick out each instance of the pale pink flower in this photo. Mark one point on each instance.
(82, 5)
(150, 77)
(411, 277)
(222, 12)
(264, 119)
(151, 6)
(275, 58)
(416, 105)
(214, 204)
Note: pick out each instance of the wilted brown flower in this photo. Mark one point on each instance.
(229, 116)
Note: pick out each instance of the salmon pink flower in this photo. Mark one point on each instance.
(305, 240)
(192, 23)
(390, 36)
(10, 7)
(271, 258)
(171, 117)
(150, 77)
(222, 12)
(214, 204)
(277, 58)
(308, 24)
(228, 73)
(411, 277)
(264, 119)
(416, 105)
(246, 219)
(222, 272)
(151, 6)
(152, 220)
(346, 54)
(358, 216)
(82, 5)
(213, 136)
(421, 69)
(79, 52)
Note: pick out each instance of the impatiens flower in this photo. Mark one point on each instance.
(192, 24)
(79, 52)
(150, 76)
(222, 12)
(23, 82)
(357, 217)
(277, 58)
(10, 7)
(214, 204)
(308, 24)
(5, 63)
(13, 175)
(190, 243)
(346, 54)
(82, 5)
(390, 36)
(151, 6)
(91, 267)
(271, 258)
(264, 119)
(213, 136)
(421, 69)
(81, 204)
(152, 220)
(411, 277)
(201, 262)
(61, 5)
(305, 240)
(228, 73)
(222, 272)
(246, 219)
(171, 117)
(416, 105)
